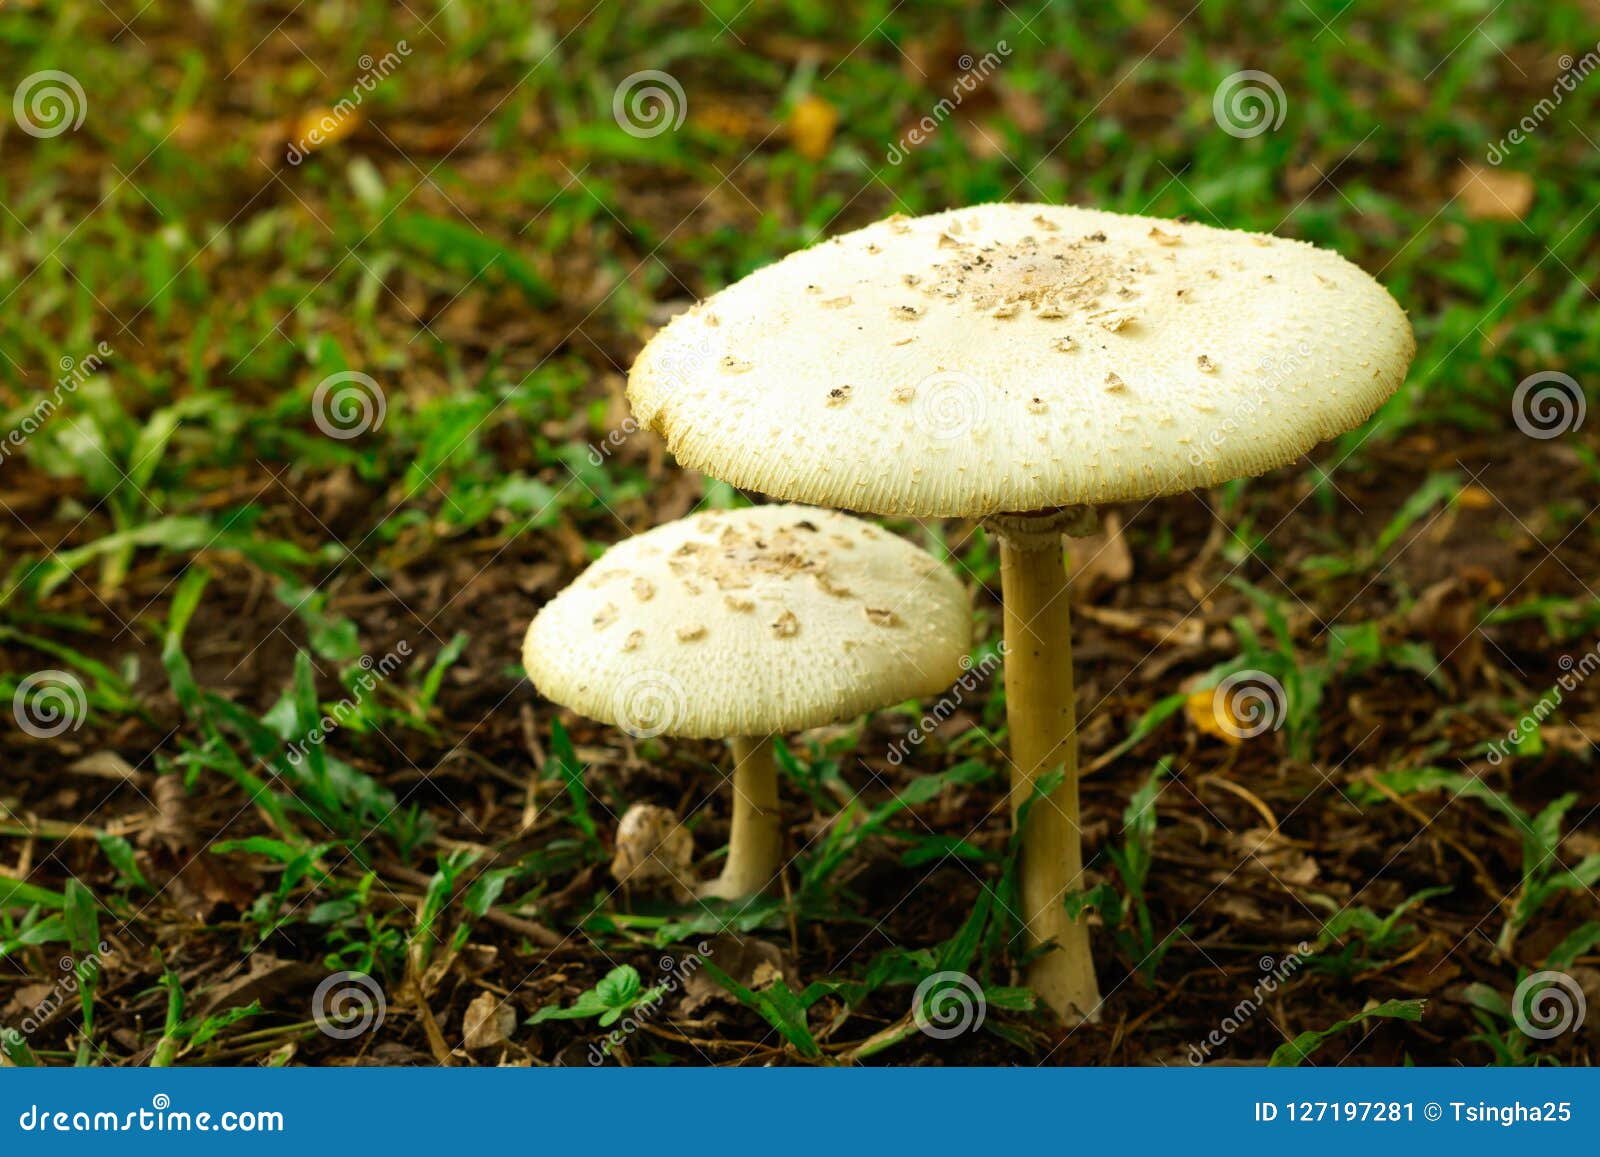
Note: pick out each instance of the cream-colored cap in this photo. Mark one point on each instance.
(750, 622)
(1013, 358)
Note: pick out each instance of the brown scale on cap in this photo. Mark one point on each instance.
(1052, 278)
(1023, 302)
(749, 611)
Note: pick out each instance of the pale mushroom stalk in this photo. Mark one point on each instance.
(1042, 721)
(755, 839)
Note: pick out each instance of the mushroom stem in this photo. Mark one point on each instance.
(755, 843)
(1039, 710)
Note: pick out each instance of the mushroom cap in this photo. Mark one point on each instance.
(749, 622)
(1016, 358)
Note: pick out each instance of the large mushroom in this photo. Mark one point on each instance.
(1024, 365)
(742, 624)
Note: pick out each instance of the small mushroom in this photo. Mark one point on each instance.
(653, 850)
(978, 449)
(702, 662)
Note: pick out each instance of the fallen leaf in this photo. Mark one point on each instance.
(752, 962)
(1446, 616)
(487, 1023)
(1270, 851)
(267, 979)
(1099, 561)
(1211, 716)
(1494, 194)
(812, 122)
(1428, 976)
(107, 765)
(321, 127)
(725, 119)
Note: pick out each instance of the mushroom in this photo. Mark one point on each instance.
(740, 624)
(1063, 359)
(653, 850)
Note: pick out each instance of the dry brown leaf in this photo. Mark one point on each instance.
(1272, 852)
(487, 1023)
(753, 963)
(1099, 561)
(1494, 194)
(267, 979)
(1428, 976)
(107, 765)
(1445, 615)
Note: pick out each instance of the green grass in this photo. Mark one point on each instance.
(489, 248)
